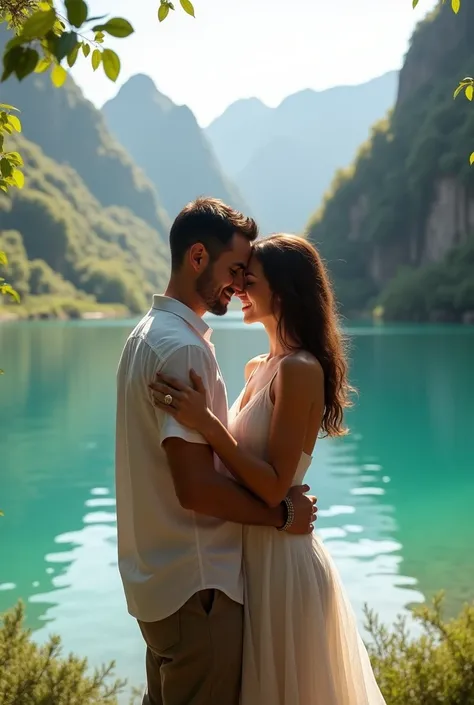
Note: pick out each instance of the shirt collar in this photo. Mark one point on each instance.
(166, 303)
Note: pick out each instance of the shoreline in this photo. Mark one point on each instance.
(48, 309)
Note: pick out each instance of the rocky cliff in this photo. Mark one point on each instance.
(397, 226)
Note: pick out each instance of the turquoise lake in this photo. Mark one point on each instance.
(396, 496)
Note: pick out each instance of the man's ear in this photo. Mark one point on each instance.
(198, 257)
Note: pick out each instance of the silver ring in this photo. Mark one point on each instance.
(168, 399)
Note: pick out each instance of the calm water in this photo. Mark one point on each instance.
(396, 496)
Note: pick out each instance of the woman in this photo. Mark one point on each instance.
(301, 645)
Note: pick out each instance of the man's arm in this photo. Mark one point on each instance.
(199, 487)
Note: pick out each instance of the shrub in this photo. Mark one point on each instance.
(40, 675)
(438, 667)
(435, 668)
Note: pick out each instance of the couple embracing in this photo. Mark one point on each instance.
(237, 599)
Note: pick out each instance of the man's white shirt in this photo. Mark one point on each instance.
(167, 553)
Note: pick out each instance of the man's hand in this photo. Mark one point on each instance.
(305, 510)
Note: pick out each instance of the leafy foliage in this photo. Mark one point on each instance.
(10, 175)
(35, 675)
(438, 667)
(47, 40)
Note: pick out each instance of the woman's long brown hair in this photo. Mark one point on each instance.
(304, 300)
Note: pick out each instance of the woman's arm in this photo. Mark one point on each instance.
(297, 387)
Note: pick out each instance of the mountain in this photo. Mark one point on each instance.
(283, 159)
(166, 141)
(62, 242)
(397, 226)
(70, 130)
(238, 133)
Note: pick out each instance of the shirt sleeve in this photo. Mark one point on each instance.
(178, 365)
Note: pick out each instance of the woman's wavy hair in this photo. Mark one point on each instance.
(304, 301)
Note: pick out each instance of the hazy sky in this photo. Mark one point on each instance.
(265, 48)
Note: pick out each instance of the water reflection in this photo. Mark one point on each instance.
(395, 495)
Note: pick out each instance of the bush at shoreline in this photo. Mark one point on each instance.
(437, 667)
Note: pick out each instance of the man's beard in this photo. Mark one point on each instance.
(209, 293)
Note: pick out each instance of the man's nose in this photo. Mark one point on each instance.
(239, 282)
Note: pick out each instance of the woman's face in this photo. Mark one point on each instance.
(257, 296)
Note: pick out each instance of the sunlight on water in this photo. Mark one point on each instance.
(395, 496)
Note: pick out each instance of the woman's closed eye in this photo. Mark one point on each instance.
(249, 279)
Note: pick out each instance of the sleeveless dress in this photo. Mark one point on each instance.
(301, 643)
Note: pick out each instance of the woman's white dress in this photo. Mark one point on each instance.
(301, 643)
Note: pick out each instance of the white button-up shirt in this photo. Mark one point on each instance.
(166, 553)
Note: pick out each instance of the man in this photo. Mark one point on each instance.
(179, 514)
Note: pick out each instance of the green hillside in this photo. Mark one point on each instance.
(397, 226)
(70, 130)
(62, 242)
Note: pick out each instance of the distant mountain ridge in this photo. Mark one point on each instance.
(166, 141)
(283, 159)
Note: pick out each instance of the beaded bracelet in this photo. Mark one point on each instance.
(290, 514)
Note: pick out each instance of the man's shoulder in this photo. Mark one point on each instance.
(166, 333)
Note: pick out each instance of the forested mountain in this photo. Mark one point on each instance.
(70, 130)
(62, 242)
(397, 226)
(283, 159)
(166, 141)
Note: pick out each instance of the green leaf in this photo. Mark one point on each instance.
(7, 289)
(76, 12)
(3, 259)
(96, 59)
(72, 57)
(471, 159)
(456, 4)
(10, 60)
(86, 50)
(470, 92)
(111, 64)
(26, 63)
(65, 44)
(188, 6)
(18, 177)
(14, 122)
(99, 37)
(116, 27)
(5, 106)
(163, 11)
(43, 64)
(2, 139)
(38, 24)
(14, 158)
(5, 167)
(58, 75)
(415, 3)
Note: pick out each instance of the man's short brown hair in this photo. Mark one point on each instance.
(210, 222)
